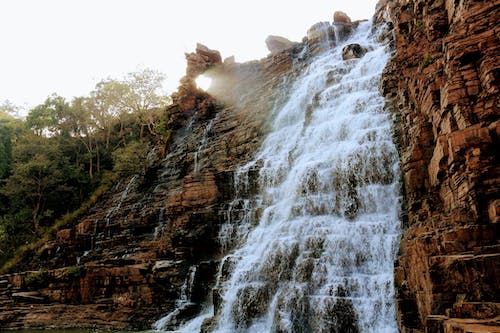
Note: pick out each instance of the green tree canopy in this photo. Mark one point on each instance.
(41, 177)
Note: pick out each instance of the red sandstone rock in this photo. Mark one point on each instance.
(447, 136)
(341, 17)
(122, 265)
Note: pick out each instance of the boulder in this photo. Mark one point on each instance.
(342, 25)
(341, 17)
(321, 30)
(276, 44)
(352, 51)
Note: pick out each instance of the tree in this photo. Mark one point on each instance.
(5, 146)
(107, 103)
(138, 94)
(145, 98)
(82, 126)
(40, 178)
(9, 110)
(131, 159)
(47, 118)
(10, 128)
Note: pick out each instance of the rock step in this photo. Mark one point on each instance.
(472, 326)
(476, 310)
(443, 324)
(491, 249)
(28, 297)
(484, 269)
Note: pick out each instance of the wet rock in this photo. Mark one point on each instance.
(251, 304)
(320, 37)
(342, 24)
(109, 268)
(352, 51)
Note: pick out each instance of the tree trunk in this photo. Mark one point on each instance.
(91, 158)
(98, 158)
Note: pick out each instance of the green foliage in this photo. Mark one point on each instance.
(58, 162)
(10, 128)
(5, 150)
(130, 159)
(419, 25)
(41, 179)
(34, 244)
(73, 273)
(426, 62)
(36, 280)
(46, 118)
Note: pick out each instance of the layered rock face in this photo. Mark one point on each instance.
(124, 264)
(443, 86)
(127, 262)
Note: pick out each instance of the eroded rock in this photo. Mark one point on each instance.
(444, 97)
(276, 44)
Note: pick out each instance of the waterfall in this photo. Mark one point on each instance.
(320, 258)
(313, 249)
(203, 145)
(182, 306)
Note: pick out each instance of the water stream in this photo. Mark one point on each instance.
(313, 249)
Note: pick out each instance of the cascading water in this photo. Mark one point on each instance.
(321, 257)
(203, 145)
(314, 248)
(182, 304)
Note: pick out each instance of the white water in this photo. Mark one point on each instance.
(321, 256)
(172, 319)
(314, 249)
(203, 145)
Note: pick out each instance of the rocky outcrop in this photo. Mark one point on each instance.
(124, 264)
(342, 23)
(276, 44)
(320, 36)
(443, 87)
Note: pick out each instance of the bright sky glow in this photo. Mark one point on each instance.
(66, 47)
(203, 82)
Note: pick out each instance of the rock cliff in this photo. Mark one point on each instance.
(443, 87)
(124, 264)
(153, 239)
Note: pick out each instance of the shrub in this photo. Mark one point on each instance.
(36, 280)
(426, 62)
(73, 273)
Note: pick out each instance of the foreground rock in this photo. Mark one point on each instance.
(443, 85)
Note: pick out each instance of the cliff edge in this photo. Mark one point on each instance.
(443, 87)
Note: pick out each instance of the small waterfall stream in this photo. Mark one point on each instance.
(203, 145)
(314, 248)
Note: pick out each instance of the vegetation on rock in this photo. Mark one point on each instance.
(63, 151)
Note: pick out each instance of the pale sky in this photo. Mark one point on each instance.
(67, 46)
